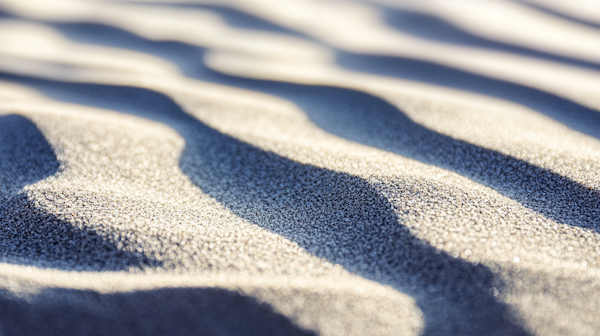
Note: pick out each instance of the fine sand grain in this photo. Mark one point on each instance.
(254, 167)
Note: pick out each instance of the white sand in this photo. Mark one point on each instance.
(303, 167)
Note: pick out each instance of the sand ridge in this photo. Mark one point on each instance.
(296, 188)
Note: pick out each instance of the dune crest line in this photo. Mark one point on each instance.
(309, 168)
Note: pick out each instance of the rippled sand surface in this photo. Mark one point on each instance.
(299, 167)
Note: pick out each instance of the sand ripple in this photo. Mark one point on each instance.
(253, 167)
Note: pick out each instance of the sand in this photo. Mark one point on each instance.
(253, 167)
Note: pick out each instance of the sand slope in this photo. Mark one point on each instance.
(302, 167)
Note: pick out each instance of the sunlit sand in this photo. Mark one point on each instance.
(253, 167)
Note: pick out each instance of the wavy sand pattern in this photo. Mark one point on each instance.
(299, 167)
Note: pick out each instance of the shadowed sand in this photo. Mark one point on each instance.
(149, 184)
(294, 200)
(366, 119)
(29, 235)
(187, 57)
(431, 27)
(181, 311)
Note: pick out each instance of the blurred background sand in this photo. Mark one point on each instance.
(254, 167)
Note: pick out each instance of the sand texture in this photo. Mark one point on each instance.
(300, 167)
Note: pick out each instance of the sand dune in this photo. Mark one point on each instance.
(303, 167)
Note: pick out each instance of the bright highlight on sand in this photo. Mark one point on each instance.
(299, 167)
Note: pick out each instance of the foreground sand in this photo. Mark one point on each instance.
(254, 168)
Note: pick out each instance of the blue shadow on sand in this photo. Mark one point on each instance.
(429, 27)
(212, 158)
(564, 16)
(333, 215)
(371, 121)
(189, 59)
(28, 234)
(571, 114)
(167, 311)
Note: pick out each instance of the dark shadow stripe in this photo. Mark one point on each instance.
(564, 16)
(31, 236)
(369, 120)
(333, 215)
(571, 114)
(25, 155)
(189, 59)
(239, 19)
(381, 125)
(433, 28)
(168, 311)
